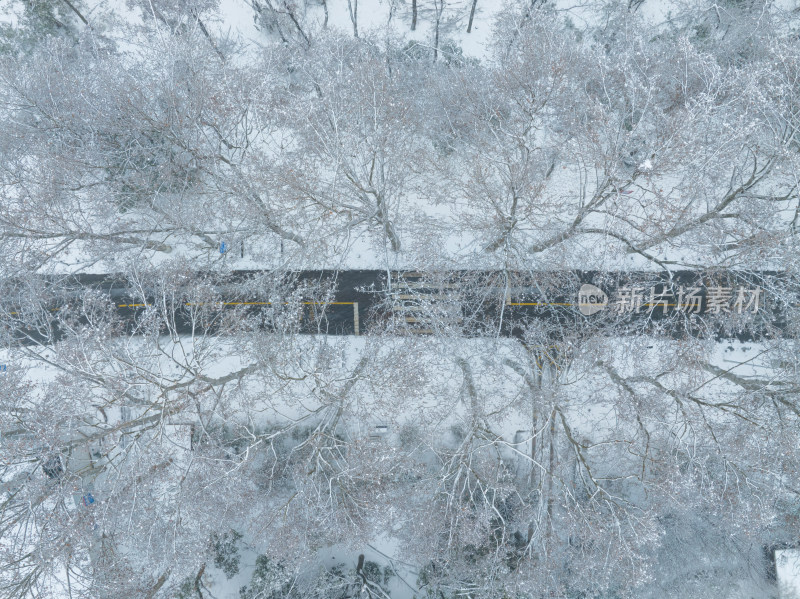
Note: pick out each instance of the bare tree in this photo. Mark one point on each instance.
(359, 120)
(510, 444)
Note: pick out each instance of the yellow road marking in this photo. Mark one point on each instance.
(656, 304)
(243, 304)
(284, 303)
(539, 304)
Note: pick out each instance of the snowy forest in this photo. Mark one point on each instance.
(171, 143)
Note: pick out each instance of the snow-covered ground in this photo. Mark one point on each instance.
(587, 395)
(787, 563)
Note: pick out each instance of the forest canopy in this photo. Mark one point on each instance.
(171, 142)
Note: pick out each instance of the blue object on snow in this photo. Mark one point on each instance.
(223, 247)
(88, 499)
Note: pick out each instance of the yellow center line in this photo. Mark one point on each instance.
(570, 304)
(242, 304)
(284, 303)
(539, 304)
(334, 303)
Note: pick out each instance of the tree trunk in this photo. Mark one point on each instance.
(413, 15)
(76, 11)
(352, 7)
(439, 7)
(388, 227)
(297, 25)
(471, 15)
(197, 580)
(551, 480)
(436, 42)
(159, 583)
(534, 427)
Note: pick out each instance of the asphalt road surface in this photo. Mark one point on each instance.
(722, 304)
